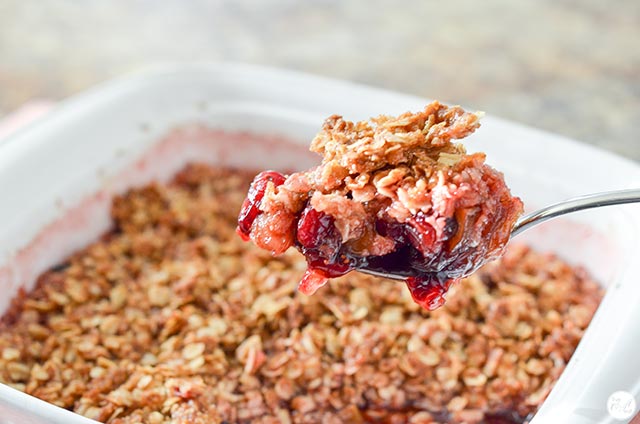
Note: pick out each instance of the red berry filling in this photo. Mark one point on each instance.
(429, 271)
(428, 292)
(395, 196)
(251, 205)
(320, 242)
(420, 233)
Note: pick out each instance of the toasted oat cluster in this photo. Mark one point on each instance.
(392, 195)
(171, 318)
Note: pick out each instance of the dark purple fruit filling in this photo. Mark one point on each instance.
(320, 242)
(429, 262)
(318, 236)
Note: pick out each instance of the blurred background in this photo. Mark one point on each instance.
(568, 66)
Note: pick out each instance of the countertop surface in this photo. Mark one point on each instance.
(570, 67)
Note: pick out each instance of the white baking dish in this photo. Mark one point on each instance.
(57, 175)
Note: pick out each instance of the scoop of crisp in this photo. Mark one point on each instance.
(393, 195)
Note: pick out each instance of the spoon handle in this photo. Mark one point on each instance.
(589, 201)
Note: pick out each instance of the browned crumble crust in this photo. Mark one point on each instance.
(172, 318)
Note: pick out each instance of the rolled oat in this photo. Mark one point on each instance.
(171, 318)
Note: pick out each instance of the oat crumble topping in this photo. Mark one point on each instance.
(171, 318)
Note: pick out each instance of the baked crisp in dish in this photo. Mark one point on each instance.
(171, 318)
(392, 195)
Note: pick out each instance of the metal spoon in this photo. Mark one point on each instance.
(532, 219)
(589, 201)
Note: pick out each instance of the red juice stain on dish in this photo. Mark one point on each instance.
(502, 416)
(505, 417)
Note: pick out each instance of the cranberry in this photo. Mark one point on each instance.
(417, 231)
(320, 242)
(331, 268)
(428, 292)
(251, 205)
(316, 229)
(392, 229)
(421, 234)
(311, 281)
